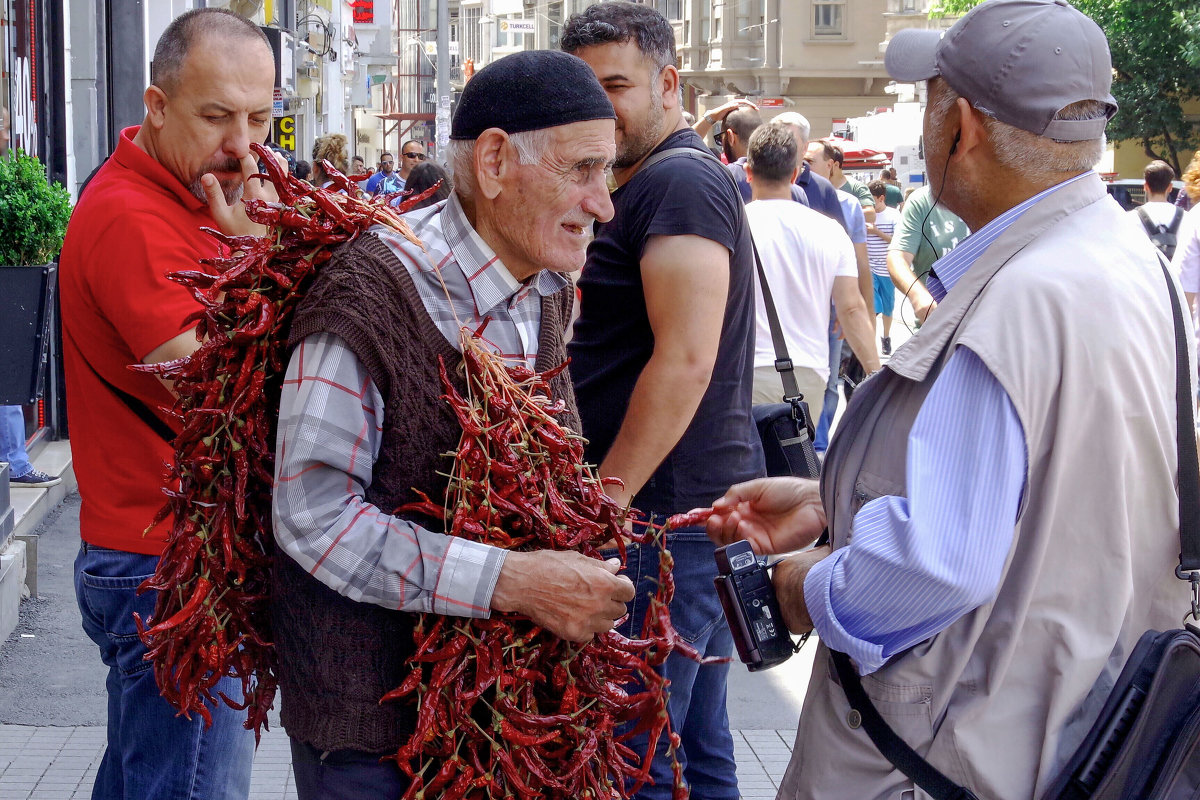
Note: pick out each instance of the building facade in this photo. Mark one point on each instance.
(822, 58)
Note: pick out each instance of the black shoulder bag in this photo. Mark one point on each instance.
(1146, 743)
(786, 429)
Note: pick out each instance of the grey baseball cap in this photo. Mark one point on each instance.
(1020, 61)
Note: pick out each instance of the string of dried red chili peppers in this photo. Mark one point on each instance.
(506, 709)
(210, 619)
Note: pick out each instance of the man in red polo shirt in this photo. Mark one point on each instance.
(138, 220)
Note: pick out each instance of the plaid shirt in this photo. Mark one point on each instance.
(331, 427)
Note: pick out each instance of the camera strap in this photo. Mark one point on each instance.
(895, 749)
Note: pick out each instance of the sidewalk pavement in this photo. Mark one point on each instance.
(47, 763)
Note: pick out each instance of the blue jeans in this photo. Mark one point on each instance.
(821, 439)
(697, 693)
(344, 775)
(12, 441)
(152, 754)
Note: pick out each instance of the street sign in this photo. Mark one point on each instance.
(518, 26)
(771, 102)
(277, 104)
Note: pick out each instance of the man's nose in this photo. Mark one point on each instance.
(598, 201)
(237, 138)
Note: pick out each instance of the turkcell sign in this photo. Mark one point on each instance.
(518, 26)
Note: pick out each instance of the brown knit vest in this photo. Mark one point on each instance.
(337, 657)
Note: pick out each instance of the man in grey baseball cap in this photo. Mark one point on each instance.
(1001, 498)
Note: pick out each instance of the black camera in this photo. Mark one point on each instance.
(751, 609)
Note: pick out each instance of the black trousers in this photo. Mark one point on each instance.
(344, 775)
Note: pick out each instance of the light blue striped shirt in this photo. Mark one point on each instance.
(916, 564)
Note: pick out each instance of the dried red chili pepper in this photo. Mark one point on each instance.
(219, 546)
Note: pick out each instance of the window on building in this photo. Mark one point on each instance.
(671, 9)
(554, 24)
(718, 10)
(471, 40)
(750, 16)
(829, 18)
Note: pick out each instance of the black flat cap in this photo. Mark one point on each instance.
(529, 91)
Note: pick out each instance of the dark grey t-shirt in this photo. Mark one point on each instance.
(613, 340)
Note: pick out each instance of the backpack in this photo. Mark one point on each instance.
(1163, 236)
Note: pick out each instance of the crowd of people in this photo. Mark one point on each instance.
(965, 513)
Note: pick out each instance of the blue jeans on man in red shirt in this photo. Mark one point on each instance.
(152, 753)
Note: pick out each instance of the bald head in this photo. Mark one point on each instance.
(192, 27)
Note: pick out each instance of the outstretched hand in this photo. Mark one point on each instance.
(775, 515)
(231, 217)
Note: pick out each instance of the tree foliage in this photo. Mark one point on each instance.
(33, 212)
(1155, 48)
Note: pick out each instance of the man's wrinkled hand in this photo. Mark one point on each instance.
(572, 596)
(775, 515)
(231, 217)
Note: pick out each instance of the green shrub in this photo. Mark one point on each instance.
(33, 212)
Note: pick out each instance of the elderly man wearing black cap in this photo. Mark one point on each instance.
(362, 426)
(1001, 498)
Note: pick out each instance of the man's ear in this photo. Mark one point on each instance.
(156, 105)
(971, 131)
(669, 76)
(795, 173)
(493, 159)
(749, 172)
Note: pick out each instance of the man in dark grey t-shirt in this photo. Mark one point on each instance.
(662, 357)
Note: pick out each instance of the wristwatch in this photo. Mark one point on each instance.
(708, 118)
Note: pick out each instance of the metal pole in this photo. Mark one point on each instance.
(443, 80)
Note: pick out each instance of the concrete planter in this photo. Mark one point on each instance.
(26, 301)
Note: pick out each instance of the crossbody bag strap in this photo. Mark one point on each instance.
(1189, 465)
(783, 363)
(1176, 221)
(139, 409)
(895, 749)
(1147, 223)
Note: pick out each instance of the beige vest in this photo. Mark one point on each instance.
(1069, 310)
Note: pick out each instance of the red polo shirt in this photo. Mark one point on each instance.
(135, 223)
